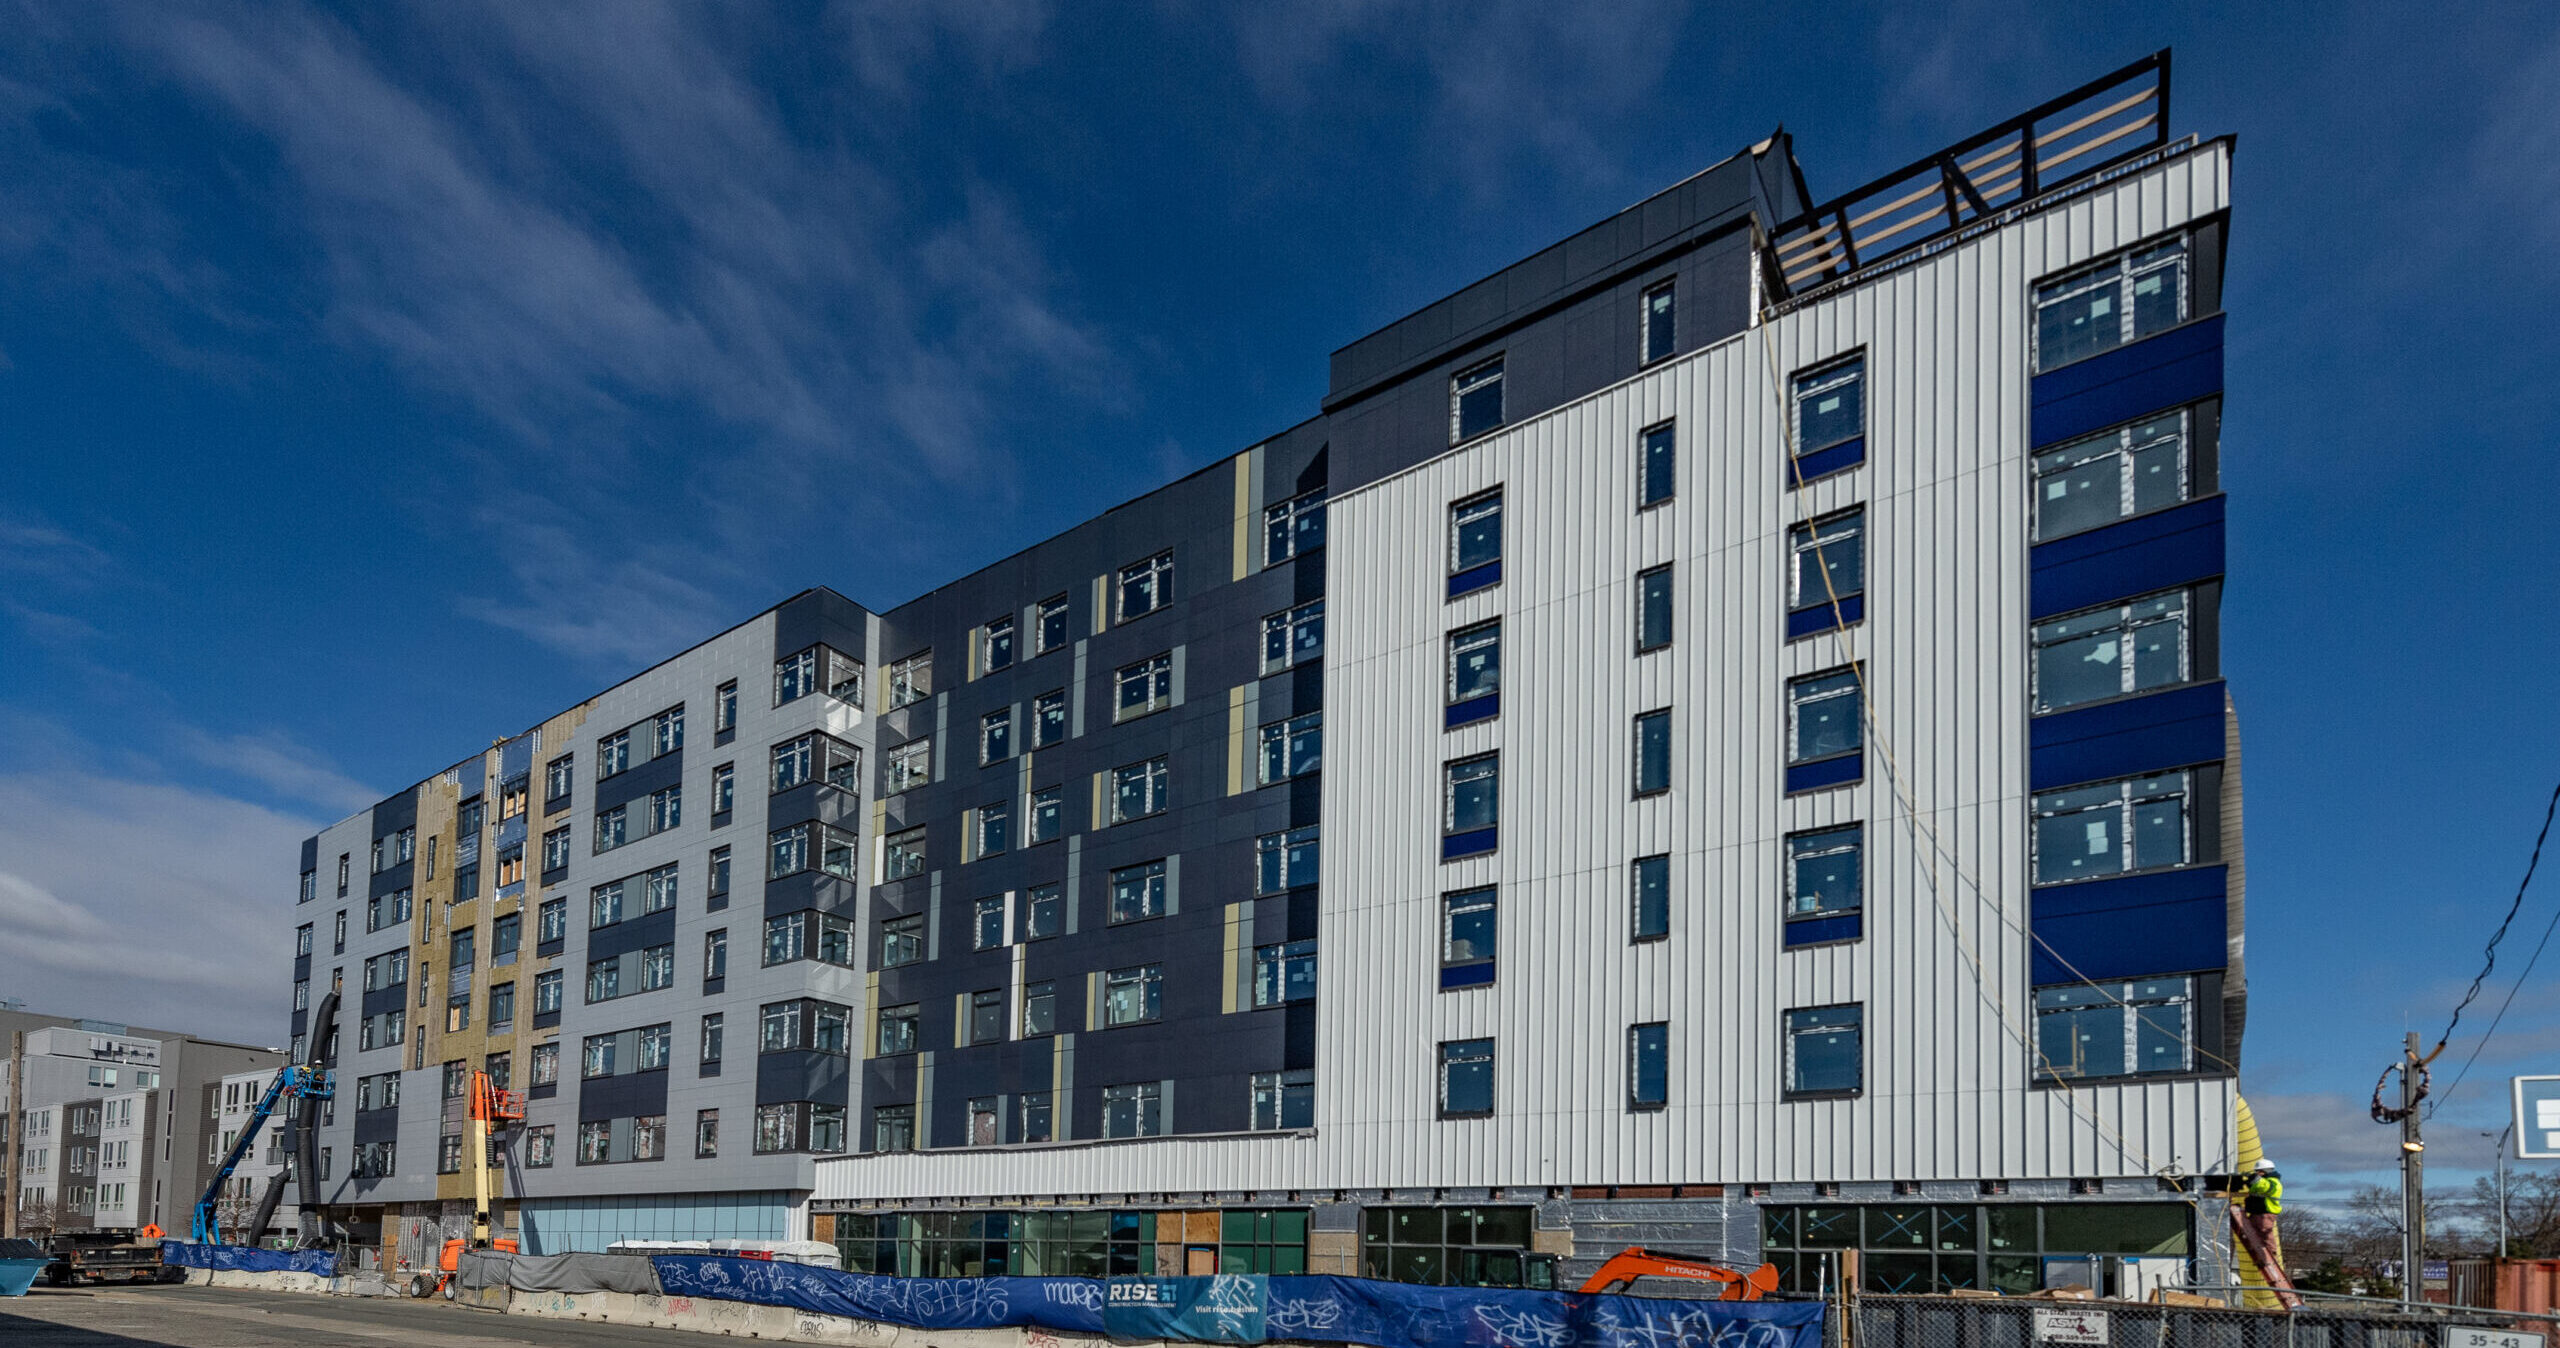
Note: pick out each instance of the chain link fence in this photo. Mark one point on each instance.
(2323, 1322)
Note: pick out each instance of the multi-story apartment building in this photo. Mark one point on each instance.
(106, 1122)
(1783, 798)
(230, 1106)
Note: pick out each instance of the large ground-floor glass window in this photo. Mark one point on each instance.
(1461, 1247)
(1097, 1244)
(1925, 1247)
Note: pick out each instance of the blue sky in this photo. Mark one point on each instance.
(374, 382)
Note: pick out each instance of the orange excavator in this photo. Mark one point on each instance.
(1635, 1261)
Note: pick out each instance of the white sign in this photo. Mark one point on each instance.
(2537, 1120)
(2459, 1336)
(2074, 1326)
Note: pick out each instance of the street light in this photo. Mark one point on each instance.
(2501, 1136)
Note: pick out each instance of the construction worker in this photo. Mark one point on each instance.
(2264, 1201)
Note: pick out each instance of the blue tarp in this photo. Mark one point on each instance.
(1240, 1308)
(246, 1259)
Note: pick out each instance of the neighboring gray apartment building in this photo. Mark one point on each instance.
(106, 1127)
(1782, 797)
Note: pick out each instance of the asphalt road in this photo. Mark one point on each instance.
(230, 1317)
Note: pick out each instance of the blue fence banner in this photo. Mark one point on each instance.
(1222, 1308)
(1240, 1308)
(248, 1259)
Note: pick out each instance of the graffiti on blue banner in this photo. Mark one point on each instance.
(1236, 1308)
(248, 1259)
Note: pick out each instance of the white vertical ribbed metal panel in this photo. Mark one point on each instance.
(1947, 1091)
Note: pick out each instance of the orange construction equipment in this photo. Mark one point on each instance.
(489, 1106)
(1635, 1262)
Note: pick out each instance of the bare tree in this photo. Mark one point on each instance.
(2533, 1213)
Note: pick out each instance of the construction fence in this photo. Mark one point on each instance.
(2016, 1322)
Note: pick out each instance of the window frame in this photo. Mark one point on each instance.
(997, 635)
(1459, 1052)
(1654, 584)
(995, 736)
(1847, 368)
(1153, 676)
(1854, 690)
(2128, 623)
(2124, 443)
(1789, 1031)
(1647, 354)
(1668, 434)
(1040, 705)
(1460, 517)
(909, 680)
(1653, 1035)
(2126, 1000)
(1290, 520)
(1155, 889)
(1146, 984)
(2128, 802)
(906, 843)
(1471, 379)
(1801, 597)
(900, 769)
(1152, 576)
(1828, 840)
(1485, 899)
(2117, 268)
(1637, 933)
(1290, 626)
(1281, 748)
(1638, 760)
(1449, 792)
(1154, 779)
(1041, 612)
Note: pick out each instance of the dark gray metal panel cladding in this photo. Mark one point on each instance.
(637, 782)
(803, 1074)
(637, 933)
(629, 1095)
(814, 616)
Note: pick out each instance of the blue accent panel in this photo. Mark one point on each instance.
(2162, 923)
(1830, 459)
(1822, 930)
(1804, 622)
(2158, 551)
(514, 891)
(2110, 388)
(1472, 710)
(511, 832)
(2127, 737)
(515, 758)
(1474, 842)
(1475, 578)
(1828, 772)
(1474, 975)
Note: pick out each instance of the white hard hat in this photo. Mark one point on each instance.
(2264, 1164)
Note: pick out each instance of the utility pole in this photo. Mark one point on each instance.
(2413, 1182)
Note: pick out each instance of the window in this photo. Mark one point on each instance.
(791, 762)
(1653, 609)
(835, 940)
(1828, 560)
(613, 755)
(547, 987)
(1822, 716)
(597, 1059)
(778, 1027)
(1284, 1099)
(1824, 873)
(604, 905)
(1052, 633)
(1657, 465)
(986, 1016)
(844, 677)
(657, 968)
(1284, 861)
(2109, 652)
(706, 1132)
(612, 828)
(1475, 662)
(604, 979)
(788, 851)
(511, 864)
(995, 736)
(1831, 405)
(1049, 719)
(1293, 528)
(724, 788)
(551, 921)
(715, 954)
(595, 1141)
(668, 731)
(1661, 328)
(898, 1026)
(555, 849)
(1138, 790)
(717, 892)
(666, 809)
(1293, 636)
(1133, 996)
(1649, 883)
(1475, 532)
(724, 707)
(714, 1035)
(1144, 687)
(1474, 794)
(1475, 401)
(302, 939)
(511, 799)
(387, 910)
(1823, 1056)
(546, 1065)
(1468, 928)
(1043, 912)
(902, 855)
(502, 1005)
(2126, 298)
(1146, 586)
(984, 1128)
(785, 937)
(1466, 1079)
(1039, 1008)
(901, 940)
(655, 1044)
(1133, 1111)
(986, 924)
(995, 645)
(1284, 973)
(893, 1128)
(2111, 476)
(1648, 1066)
(777, 1126)
(1292, 748)
(995, 828)
(1653, 753)
(658, 890)
(2088, 1031)
(909, 765)
(1047, 816)
(1138, 892)
(558, 776)
(2132, 825)
(795, 676)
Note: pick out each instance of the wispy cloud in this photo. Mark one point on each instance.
(289, 770)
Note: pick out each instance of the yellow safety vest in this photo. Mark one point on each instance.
(2266, 1194)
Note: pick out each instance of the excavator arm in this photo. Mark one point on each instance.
(1635, 1261)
